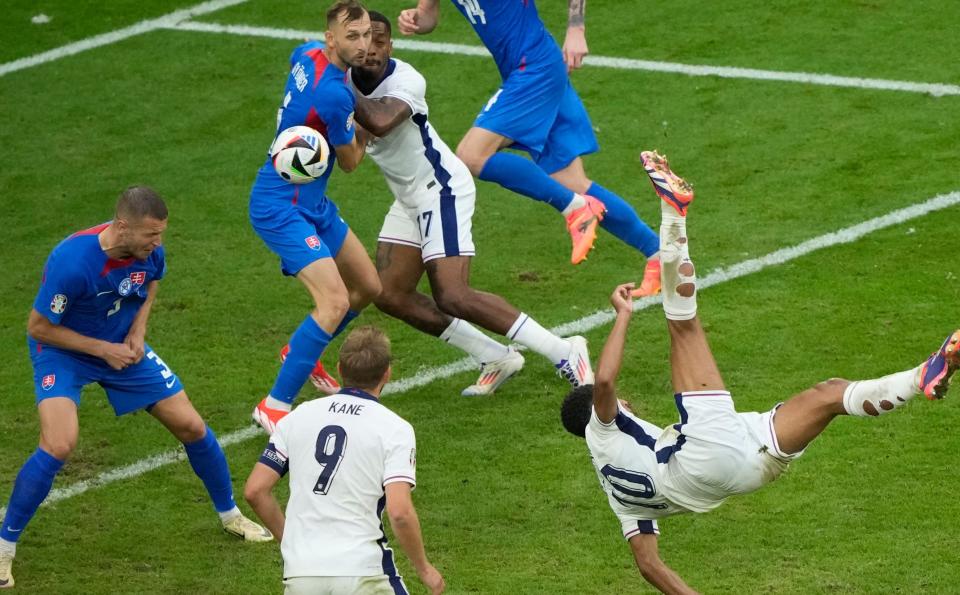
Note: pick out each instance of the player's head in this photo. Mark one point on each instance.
(381, 44)
(140, 220)
(348, 32)
(576, 409)
(365, 359)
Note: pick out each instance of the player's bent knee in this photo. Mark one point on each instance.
(456, 303)
(60, 447)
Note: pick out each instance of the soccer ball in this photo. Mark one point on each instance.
(300, 154)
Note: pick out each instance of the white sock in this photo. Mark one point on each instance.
(227, 516)
(678, 276)
(278, 404)
(8, 547)
(527, 331)
(577, 202)
(885, 394)
(467, 337)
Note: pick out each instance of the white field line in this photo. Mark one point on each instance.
(118, 35)
(579, 326)
(935, 89)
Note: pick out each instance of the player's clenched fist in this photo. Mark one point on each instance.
(419, 20)
(118, 355)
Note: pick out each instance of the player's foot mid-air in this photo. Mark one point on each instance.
(670, 187)
(677, 193)
(939, 368)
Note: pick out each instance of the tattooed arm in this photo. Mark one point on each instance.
(575, 44)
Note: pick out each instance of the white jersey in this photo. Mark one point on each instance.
(341, 451)
(692, 466)
(625, 457)
(415, 161)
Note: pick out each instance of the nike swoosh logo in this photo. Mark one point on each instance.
(12, 530)
(171, 383)
(104, 292)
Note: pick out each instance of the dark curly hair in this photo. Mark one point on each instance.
(576, 410)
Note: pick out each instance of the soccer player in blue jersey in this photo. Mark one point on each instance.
(538, 111)
(88, 324)
(299, 222)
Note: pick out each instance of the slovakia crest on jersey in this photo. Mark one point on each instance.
(138, 278)
(313, 242)
(48, 381)
(58, 304)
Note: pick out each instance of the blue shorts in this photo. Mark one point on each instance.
(539, 110)
(59, 373)
(298, 227)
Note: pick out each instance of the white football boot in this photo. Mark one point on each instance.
(495, 373)
(576, 368)
(246, 529)
(6, 574)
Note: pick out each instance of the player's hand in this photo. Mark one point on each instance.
(135, 341)
(433, 580)
(575, 48)
(621, 298)
(415, 21)
(118, 355)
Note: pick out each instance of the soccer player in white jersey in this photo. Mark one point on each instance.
(714, 452)
(428, 229)
(349, 458)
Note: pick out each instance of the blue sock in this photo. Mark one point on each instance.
(622, 221)
(347, 318)
(306, 346)
(29, 490)
(206, 458)
(525, 177)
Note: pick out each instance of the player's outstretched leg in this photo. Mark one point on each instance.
(59, 429)
(620, 219)
(479, 151)
(449, 280)
(206, 458)
(400, 268)
(803, 417)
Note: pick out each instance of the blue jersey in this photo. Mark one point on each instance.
(512, 31)
(86, 291)
(315, 95)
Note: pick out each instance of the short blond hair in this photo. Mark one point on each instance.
(364, 357)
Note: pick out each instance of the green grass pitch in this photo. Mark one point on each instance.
(509, 502)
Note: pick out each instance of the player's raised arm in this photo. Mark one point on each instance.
(608, 368)
(420, 20)
(380, 116)
(575, 43)
(658, 574)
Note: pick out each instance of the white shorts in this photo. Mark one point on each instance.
(717, 452)
(440, 227)
(343, 585)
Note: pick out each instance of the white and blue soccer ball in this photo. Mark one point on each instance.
(300, 154)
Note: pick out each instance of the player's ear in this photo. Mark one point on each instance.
(328, 38)
(386, 376)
